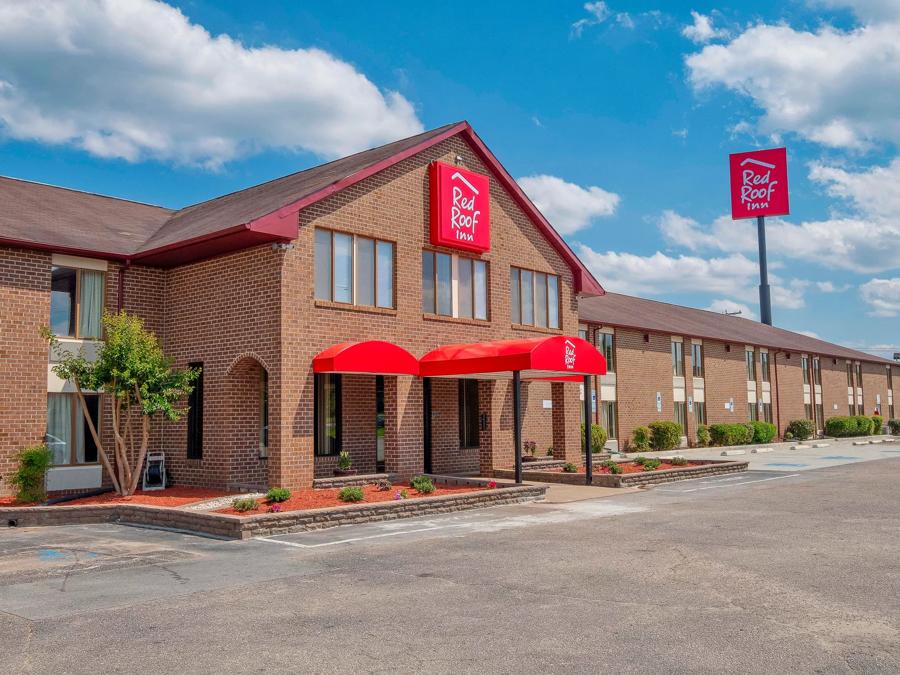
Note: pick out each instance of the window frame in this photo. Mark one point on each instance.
(700, 412)
(76, 411)
(681, 414)
(263, 414)
(804, 366)
(517, 271)
(677, 350)
(764, 366)
(750, 363)
(77, 308)
(697, 349)
(469, 436)
(455, 260)
(354, 259)
(817, 371)
(194, 446)
(319, 417)
(612, 421)
(600, 339)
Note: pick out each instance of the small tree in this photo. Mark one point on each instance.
(130, 366)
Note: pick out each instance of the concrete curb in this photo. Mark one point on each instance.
(631, 479)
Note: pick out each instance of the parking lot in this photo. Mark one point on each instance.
(779, 571)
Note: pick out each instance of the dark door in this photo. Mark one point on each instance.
(426, 422)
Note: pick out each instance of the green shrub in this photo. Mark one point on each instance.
(799, 429)
(731, 434)
(894, 426)
(598, 438)
(763, 432)
(611, 465)
(422, 484)
(351, 493)
(244, 504)
(877, 425)
(640, 438)
(665, 435)
(679, 461)
(550, 451)
(344, 461)
(278, 495)
(29, 476)
(703, 437)
(651, 464)
(568, 467)
(843, 427)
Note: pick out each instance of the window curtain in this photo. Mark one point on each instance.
(59, 427)
(91, 304)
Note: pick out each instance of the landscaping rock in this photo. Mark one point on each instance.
(730, 453)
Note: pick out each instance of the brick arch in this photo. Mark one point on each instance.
(238, 364)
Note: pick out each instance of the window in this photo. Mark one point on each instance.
(817, 371)
(608, 418)
(534, 298)
(677, 359)
(354, 270)
(76, 302)
(606, 343)
(804, 366)
(890, 378)
(68, 435)
(264, 414)
(700, 412)
(764, 365)
(820, 413)
(379, 422)
(583, 332)
(752, 412)
(195, 417)
(807, 411)
(327, 405)
(697, 359)
(852, 407)
(859, 378)
(849, 374)
(438, 288)
(681, 416)
(468, 414)
(767, 412)
(750, 357)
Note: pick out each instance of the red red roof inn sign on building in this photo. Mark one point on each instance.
(460, 208)
(759, 184)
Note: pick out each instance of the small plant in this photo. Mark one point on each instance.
(530, 447)
(275, 508)
(383, 485)
(351, 493)
(28, 478)
(651, 464)
(640, 459)
(598, 438)
(404, 494)
(877, 425)
(640, 439)
(276, 495)
(679, 461)
(422, 484)
(612, 466)
(664, 435)
(799, 429)
(703, 437)
(550, 449)
(344, 461)
(894, 426)
(763, 432)
(244, 504)
(568, 467)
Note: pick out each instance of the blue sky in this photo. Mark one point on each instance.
(617, 116)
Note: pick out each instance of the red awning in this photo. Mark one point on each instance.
(548, 357)
(373, 356)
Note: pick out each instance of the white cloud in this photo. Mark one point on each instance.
(135, 79)
(874, 191)
(882, 296)
(731, 307)
(829, 287)
(873, 10)
(660, 274)
(837, 88)
(568, 207)
(598, 12)
(702, 30)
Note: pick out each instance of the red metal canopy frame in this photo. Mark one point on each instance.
(375, 357)
(556, 357)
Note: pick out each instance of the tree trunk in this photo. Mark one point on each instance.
(101, 451)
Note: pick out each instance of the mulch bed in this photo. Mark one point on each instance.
(302, 500)
(175, 496)
(631, 467)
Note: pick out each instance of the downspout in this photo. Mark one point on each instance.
(120, 305)
(777, 394)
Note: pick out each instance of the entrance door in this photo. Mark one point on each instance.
(426, 422)
(379, 423)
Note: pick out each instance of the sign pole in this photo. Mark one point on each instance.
(765, 297)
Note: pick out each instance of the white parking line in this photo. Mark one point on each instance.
(713, 487)
(352, 539)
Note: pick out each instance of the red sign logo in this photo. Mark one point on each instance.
(569, 355)
(759, 183)
(460, 208)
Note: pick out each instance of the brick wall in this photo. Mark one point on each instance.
(875, 386)
(642, 369)
(726, 379)
(834, 386)
(788, 373)
(24, 310)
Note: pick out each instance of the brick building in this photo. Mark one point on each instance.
(350, 307)
(667, 362)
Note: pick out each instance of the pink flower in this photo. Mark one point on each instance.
(397, 495)
(275, 508)
(492, 484)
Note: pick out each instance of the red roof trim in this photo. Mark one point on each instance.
(372, 356)
(69, 250)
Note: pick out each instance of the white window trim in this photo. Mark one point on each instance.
(60, 260)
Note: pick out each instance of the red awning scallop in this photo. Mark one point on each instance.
(372, 356)
(550, 357)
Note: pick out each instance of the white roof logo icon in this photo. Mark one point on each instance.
(457, 175)
(750, 160)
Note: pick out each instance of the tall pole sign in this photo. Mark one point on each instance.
(759, 188)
